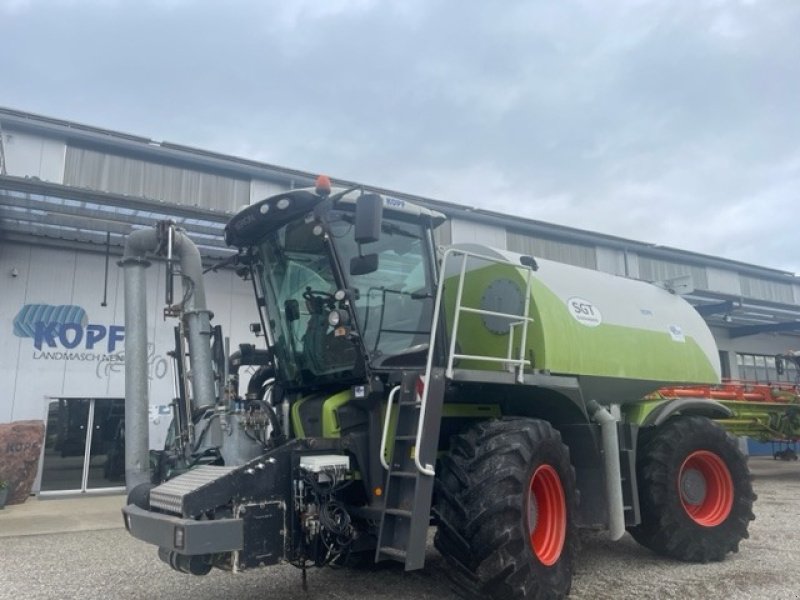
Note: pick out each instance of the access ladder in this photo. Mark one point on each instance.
(410, 467)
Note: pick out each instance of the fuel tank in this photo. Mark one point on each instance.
(622, 338)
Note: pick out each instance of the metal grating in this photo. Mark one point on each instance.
(169, 496)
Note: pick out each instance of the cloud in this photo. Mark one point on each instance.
(664, 122)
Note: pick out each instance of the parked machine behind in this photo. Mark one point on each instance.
(493, 395)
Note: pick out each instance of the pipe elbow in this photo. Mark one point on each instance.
(138, 244)
(600, 413)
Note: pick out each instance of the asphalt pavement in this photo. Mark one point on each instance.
(77, 548)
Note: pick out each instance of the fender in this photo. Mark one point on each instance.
(693, 406)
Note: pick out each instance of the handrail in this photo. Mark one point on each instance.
(386, 421)
(520, 363)
(428, 469)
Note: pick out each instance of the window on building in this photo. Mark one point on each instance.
(761, 368)
(725, 365)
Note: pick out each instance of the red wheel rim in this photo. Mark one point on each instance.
(547, 515)
(705, 487)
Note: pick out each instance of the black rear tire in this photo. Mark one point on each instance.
(695, 491)
(140, 495)
(491, 533)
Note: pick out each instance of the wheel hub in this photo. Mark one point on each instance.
(705, 487)
(693, 486)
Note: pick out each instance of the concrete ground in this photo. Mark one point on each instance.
(77, 548)
(62, 515)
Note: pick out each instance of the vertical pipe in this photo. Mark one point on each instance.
(198, 328)
(456, 315)
(616, 505)
(198, 322)
(525, 320)
(105, 277)
(137, 467)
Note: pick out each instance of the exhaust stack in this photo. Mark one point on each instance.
(196, 318)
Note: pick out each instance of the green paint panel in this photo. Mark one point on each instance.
(637, 413)
(330, 421)
(297, 422)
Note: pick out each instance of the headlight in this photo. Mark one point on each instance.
(179, 536)
(338, 318)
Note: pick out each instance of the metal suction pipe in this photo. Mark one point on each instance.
(197, 321)
(616, 505)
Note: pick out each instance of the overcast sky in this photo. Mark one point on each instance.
(670, 122)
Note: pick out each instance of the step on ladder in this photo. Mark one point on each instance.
(408, 492)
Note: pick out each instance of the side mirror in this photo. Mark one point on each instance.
(369, 212)
(362, 265)
(292, 309)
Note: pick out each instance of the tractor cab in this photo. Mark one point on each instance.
(345, 282)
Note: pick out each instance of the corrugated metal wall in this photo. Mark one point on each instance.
(651, 269)
(572, 254)
(443, 234)
(134, 177)
(764, 289)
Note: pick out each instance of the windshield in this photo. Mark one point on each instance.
(393, 304)
(298, 285)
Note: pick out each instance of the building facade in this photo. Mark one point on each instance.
(70, 193)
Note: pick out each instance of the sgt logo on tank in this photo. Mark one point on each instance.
(584, 312)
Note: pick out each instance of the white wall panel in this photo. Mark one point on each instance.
(260, 189)
(478, 233)
(12, 295)
(724, 282)
(632, 265)
(610, 260)
(34, 156)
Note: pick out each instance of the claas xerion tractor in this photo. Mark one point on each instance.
(401, 386)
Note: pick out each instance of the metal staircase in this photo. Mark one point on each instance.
(408, 490)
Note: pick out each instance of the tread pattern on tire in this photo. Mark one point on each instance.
(481, 493)
(666, 528)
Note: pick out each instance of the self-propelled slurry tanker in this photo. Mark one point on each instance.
(402, 386)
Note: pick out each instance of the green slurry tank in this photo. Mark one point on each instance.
(623, 338)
